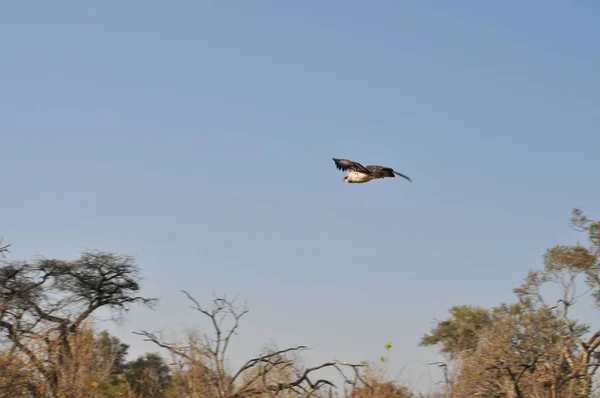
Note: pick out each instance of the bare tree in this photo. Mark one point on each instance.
(3, 249)
(44, 303)
(269, 374)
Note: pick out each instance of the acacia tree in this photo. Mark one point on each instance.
(44, 304)
(13, 372)
(569, 267)
(495, 351)
(271, 374)
(534, 347)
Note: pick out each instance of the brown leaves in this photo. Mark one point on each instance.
(530, 288)
(583, 224)
(565, 264)
(536, 344)
(575, 258)
(594, 237)
(44, 303)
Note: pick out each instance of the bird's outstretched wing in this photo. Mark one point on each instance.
(385, 171)
(345, 164)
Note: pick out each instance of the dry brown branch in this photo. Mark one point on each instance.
(3, 249)
(444, 368)
(268, 374)
(180, 351)
(45, 303)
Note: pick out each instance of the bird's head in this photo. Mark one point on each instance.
(345, 179)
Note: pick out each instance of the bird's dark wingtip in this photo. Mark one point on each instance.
(338, 164)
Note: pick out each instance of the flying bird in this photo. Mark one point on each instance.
(358, 174)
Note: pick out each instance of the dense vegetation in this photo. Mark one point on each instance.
(533, 347)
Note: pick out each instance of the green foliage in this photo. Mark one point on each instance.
(459, 333)
(149, 376)
(529, 347)
(113, 350)
(564, 264)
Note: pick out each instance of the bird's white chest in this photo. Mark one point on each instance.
(354, 176)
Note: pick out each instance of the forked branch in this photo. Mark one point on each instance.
(267, 374)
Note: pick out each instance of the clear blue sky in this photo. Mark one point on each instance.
(198, 136)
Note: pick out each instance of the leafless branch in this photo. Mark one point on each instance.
(173, 348)
(303, 379)
(444, 368)
(256, 375)
(44, 302)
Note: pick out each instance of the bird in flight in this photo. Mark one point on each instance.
(358, 174)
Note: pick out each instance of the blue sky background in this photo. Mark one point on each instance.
(198, 136)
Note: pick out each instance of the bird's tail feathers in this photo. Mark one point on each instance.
(402, 175)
